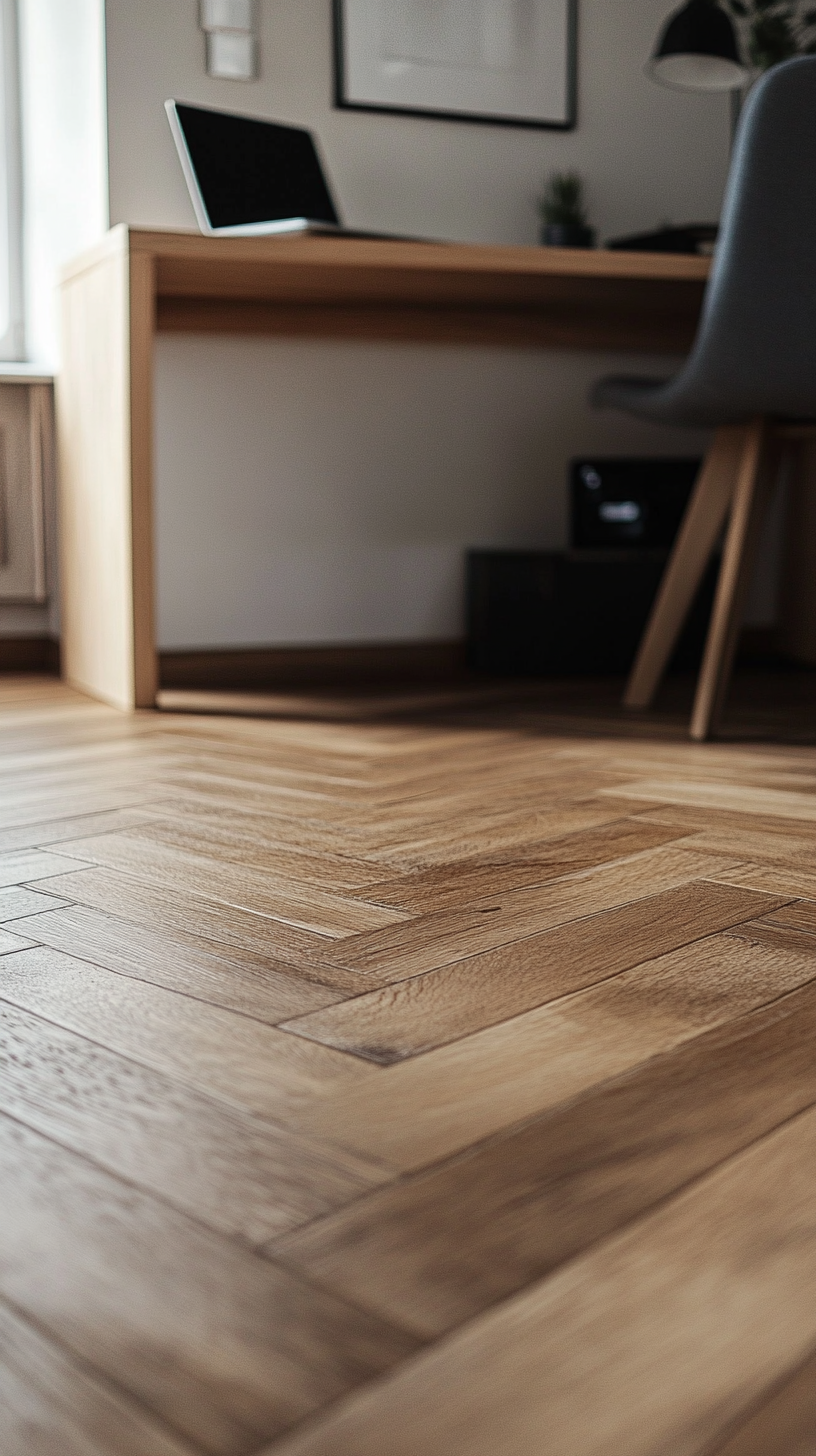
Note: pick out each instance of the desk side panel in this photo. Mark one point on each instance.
(663, 325)
(93, 421)
(550, 302)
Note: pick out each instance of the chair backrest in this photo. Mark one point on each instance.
(755, 351)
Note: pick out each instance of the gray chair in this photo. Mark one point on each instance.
(752, 368)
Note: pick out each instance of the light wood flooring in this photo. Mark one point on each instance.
(439, 1080)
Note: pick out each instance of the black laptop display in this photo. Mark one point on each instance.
(250, 177)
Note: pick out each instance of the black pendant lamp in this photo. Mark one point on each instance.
(697, 50)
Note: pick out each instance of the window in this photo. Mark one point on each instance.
(12, 339)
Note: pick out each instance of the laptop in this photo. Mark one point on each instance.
(250, 178)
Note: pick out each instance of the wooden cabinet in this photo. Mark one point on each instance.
(26, 484)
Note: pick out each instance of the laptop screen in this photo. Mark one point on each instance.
(252, 171)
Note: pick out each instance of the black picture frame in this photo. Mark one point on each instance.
(344, 102)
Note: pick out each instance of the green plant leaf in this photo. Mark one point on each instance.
(562, 201)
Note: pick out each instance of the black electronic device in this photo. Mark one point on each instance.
(565, 613)
(694, 237)
(249, 177)
(618, 503)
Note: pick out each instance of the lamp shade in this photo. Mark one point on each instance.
(697, 50)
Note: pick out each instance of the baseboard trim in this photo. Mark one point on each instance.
(259, 668)
(30, 654)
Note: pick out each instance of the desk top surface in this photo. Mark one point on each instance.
(176, 252)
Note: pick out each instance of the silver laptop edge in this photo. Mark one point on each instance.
(187, 168)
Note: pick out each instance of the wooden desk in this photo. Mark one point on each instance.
(138, 282)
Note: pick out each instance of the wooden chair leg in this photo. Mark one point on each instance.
(755, 482)
(695, 542)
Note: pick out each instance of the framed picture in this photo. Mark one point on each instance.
(510, 62)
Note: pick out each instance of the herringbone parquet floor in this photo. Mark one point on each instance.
(433, 1085)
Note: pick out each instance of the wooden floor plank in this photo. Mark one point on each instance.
(246, 888)
(339, 810)
(49, 785)
(250, 764)
(259, 986)
(693, 820)
(85, 799)
(17, 902)
(715, 761)
(798, 915)
(786, 1421)
(53, 831)
(247, 819)
(65, 782)
(464, 824)
(437, 843)
(221, 1346)
(160, 908)
(776, 879)
(439, 1248)
(10, 943)
(761, 848)
(225, 844)
(247, 1062)
(38, 790)
(649, 1344)
(424, 1109)
(783, 804)
(463, 881)
(22, 865)
(430, 941)
(51, 1403)
(416, 1015)
(232, 1171)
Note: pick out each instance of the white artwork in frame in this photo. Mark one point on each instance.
(510, 62)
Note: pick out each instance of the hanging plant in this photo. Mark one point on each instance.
(774, 30)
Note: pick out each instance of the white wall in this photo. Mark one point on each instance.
(326, 491)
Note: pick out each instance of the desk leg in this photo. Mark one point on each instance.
(105, 436)
(142, 336)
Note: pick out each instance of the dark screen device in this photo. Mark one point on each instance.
(251, 178)
(622, 503)
(566, 613)
(248, 176)
(695, 237)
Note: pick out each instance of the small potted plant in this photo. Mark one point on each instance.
(563, 213)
